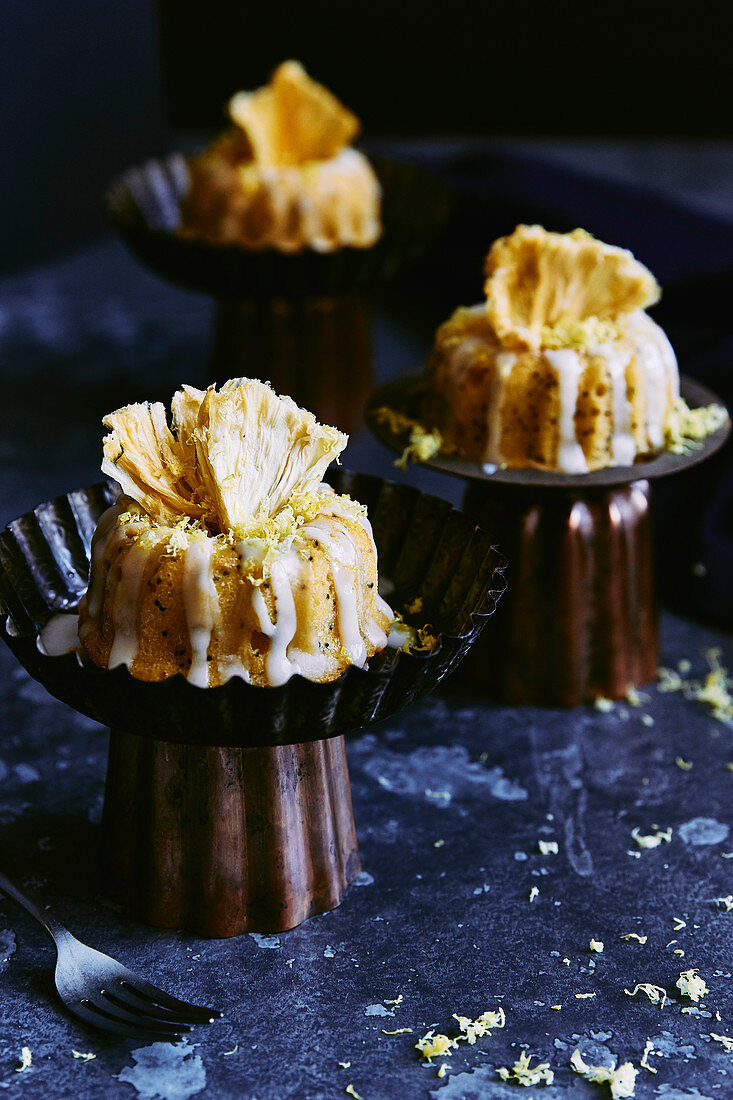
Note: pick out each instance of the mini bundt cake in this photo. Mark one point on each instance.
(285, 176)
(226, 555)
(560, 368)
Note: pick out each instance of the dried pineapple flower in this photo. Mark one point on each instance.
(241, 460)
(562, 289)
(293, 119)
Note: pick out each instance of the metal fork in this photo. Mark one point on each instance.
(105, 994)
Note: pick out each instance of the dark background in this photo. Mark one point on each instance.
(88, 88)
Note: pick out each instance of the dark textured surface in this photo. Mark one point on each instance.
(448, 926)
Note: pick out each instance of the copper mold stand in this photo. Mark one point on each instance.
(580, 618)
(228, 809)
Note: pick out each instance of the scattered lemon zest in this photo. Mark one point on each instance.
(548, 847)
(620, 1079)
(683, 765)
(725, 903)
(555, 1008)
(644, 1060)
(651, 840)
(534, 893)
(656, 993)
(679, 924)
(434, 1044)
(634, 936)
(234, 1050)
(714, 691)
(523, 1073)
(691, 985)
(345, 1065)
(584, 996)
(84, 1056)
(398, 1031)
(442, 1070)
(679, 951)
(26, 1060)
(725, 1040)
(351, 1091)
(603, 704)
(483, 1025)
(438, 843)
(597, 946)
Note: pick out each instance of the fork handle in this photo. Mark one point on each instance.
(55, 929)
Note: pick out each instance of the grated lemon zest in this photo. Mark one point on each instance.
(725, 903)
(26, 1060)
(596, 945)
(651, 840)
(686, 429)
(634, 936)
(725, 1040)
(523, 1073)
(620, 1079)
(548, 847)
(644, 1060)
(656, 993)
(423, 442)
(691, 985)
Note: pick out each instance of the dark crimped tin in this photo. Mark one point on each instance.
(145, 205)
(427, 549)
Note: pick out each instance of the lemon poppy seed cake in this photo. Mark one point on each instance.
(226, 555)
(560, 368)
(285, 175)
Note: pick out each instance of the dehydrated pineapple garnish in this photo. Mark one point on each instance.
(241, 460)
(523, 1073)
(620, 1079)
(293, 119)
(561, 289)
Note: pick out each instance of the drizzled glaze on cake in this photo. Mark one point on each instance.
(560, 368)
(227, 555)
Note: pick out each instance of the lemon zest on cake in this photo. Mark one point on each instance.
(621, 1080)
(691, 985)
(686, 429)
(656, 994)
(523, 1073)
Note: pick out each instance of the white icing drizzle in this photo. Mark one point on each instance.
(98, 575)
(659, 371)
(60, 635)
(617, 358)
(125, 606)
(281, 633)
(201, 605)
(505, 361)
(568, 369)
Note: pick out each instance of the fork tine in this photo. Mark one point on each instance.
(147, 992)
(101, 1002)
(90, 1016)
(121, 995)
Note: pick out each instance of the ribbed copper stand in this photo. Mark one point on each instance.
(318, 350)
(222, 841)
(579, 618)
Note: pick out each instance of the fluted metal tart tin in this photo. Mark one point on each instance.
(145, 205)
(228, 809)
(580, 620)
(427, 550)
